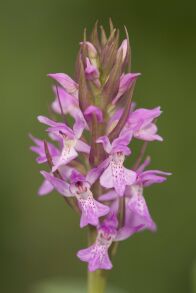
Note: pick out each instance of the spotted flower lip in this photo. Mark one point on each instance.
(97, 254)
(138, 207)
(116, 175)
(94, 122)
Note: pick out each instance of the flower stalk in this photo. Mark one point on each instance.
(96, 281)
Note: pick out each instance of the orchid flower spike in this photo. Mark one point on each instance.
(89, 136)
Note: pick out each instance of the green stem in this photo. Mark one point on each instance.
(97, 279)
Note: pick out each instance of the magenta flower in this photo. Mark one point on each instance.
(116, 175)
(94, 123)
(140, 122)
(97, 254)
(137, 204)
(137, 213)
(46, 187)
(79, 187)
(68, 138)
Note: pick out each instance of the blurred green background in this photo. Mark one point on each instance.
(40, 236)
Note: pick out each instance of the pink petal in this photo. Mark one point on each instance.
(110, 195)
(45, 188)
(106, 179)
(66, 82)
(94, 110)
(106, 143)
(61, 186)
